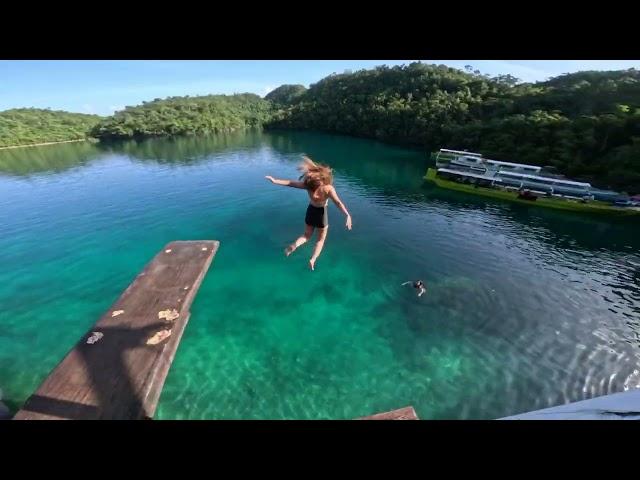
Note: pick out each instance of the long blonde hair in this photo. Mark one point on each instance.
(314, 174)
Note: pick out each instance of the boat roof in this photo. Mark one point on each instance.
(461, 161)
(446, 150)
(520, 175)
(554, 180)
(498, 162)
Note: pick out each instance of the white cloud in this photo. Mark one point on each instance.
(267, 89)
(88, 108)
(524, 72)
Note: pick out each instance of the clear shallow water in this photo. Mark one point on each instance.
(526, 308)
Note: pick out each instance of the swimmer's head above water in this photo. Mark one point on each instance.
(418, 285)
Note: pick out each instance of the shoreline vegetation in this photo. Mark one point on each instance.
(30, 126)
(586, 125)
(186, 116)
(88, 139)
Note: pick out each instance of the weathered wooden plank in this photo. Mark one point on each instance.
(120, 376)
(407, 413)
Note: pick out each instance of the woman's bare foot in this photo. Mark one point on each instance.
(289, 250)
(312, 263)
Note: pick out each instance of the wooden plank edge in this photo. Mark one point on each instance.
(406, 413)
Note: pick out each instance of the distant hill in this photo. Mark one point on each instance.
(585, 124)
(286, 94)
(186, 116)
(25, 126)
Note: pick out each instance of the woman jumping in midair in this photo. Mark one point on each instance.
(317, 180)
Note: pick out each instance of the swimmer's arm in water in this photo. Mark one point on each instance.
(334, 196)
(406, 283)
(422, 290)
(285, 183)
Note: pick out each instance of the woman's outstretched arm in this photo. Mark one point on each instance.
(334, 196)
(285, 183)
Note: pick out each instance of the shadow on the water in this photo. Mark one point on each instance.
(12, 405)
(395, 175)
(184, 150)
(565, 230)
(28, 161)
(388, 173)
(391, 169)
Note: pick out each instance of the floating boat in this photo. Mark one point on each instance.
(530, 184)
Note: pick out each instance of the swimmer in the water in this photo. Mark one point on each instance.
(419, 285)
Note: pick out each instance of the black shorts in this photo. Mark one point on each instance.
(316, 217)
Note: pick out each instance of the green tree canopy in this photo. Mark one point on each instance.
(186, 116)
(585, 124)
(26, 126)
(286, 94)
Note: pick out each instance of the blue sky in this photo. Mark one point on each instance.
(103, 86)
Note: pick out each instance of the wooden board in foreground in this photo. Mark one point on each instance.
(407, 413)
(120, 375)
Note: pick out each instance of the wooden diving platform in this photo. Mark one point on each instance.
(406, 413)
(118, 368)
